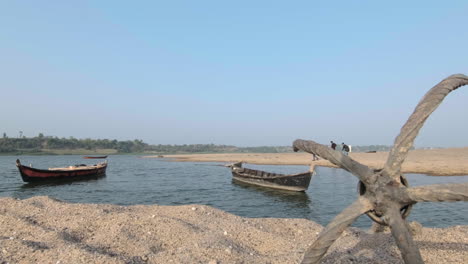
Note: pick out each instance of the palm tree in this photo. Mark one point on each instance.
(385, 194)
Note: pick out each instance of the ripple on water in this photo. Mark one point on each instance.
(130, 181)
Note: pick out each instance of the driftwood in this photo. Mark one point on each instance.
(385, 194)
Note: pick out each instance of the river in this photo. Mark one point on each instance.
(131, 180)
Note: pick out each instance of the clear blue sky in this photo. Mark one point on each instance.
(246, 73)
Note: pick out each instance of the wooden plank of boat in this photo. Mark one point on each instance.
(94, 157)
(291, 182)
(29, 174)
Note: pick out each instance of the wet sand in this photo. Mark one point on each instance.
(44, 230)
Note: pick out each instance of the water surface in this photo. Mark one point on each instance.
(131, 180)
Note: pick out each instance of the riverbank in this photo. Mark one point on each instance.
(48, 152)
(44, 230)
(437, 162)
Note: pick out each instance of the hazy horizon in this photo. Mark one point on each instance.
(242, 73)
(202, 143)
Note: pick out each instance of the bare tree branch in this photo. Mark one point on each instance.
(410, 130)
(439, 193)
(409, 251)
(326, 238)
(361, 171)
(385, 195)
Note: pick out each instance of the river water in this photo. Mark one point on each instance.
(132, 180)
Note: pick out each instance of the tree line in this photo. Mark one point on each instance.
(46, 144)
(41, 143)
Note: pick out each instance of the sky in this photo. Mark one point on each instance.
(244, 73)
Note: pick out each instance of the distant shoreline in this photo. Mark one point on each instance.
(435, 162)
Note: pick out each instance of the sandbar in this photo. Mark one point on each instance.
(436, 162)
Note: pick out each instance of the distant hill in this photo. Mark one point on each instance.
(43, 145)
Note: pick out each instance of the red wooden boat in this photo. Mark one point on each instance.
(94, 157)
(82, 171)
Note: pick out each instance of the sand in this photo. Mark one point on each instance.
(438, 162)
(45, 230)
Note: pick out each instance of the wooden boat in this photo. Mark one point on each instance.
(81, 171)
(291, 182)
(94, 157)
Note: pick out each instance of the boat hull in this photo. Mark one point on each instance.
(94, 157)
(29, 174)
(297, 182)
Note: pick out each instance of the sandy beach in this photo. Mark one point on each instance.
(437, 162)
(45, 230)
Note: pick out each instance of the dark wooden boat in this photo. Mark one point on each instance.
(82, 171)
(94, 157)
(291, 182)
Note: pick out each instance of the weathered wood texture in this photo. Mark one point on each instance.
(292, 182)
(385, 196)
(335, 228)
